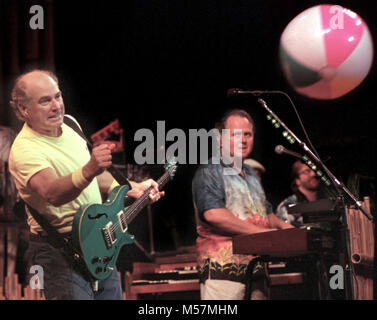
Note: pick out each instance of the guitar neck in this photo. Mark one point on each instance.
(141, 202)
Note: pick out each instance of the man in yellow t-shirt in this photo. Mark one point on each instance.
(55, 174)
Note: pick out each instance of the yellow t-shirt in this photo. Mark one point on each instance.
(32, 152)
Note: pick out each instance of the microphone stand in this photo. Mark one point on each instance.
(339, 187)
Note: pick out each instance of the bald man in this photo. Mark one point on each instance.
(56, 174)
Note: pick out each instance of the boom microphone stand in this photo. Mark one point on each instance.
(339, 186)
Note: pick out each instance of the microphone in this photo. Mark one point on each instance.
(280, 150)
(237, 91)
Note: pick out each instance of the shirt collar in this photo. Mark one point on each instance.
(244, 169)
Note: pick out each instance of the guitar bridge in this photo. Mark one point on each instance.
(109, 235)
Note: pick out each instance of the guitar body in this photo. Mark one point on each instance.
(99, 231)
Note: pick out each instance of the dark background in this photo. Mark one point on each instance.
(144, 61)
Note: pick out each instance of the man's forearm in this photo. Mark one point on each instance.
(105, 181)
(225, 221)
(55, 190)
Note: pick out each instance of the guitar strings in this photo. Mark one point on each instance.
(161, 182)
(140, 202)
(134, 208)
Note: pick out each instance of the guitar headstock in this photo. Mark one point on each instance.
(171, 166)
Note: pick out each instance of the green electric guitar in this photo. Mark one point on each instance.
(100, 230)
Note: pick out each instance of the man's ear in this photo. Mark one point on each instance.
(22, 109)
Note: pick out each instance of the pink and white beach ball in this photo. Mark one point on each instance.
(326, 51)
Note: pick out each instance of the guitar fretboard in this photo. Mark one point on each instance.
(140, 203)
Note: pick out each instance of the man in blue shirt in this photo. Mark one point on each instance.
(229, 200)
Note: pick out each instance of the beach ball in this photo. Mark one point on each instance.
(326, 51)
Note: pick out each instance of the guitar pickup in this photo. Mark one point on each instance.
(122, 221)
(109, 235)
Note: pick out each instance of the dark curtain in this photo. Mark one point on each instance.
(22, 48)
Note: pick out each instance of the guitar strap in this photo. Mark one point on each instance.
(59, 241)
(56, 239)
